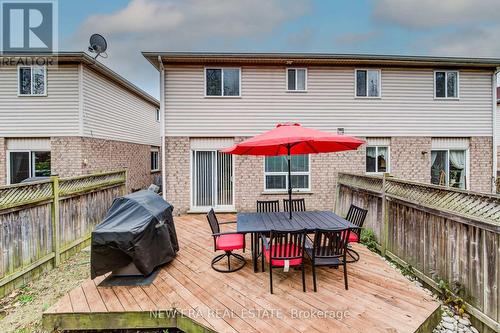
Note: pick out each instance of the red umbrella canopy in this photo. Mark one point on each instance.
(301, 140)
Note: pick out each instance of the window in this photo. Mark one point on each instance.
(276, 173)
(367, 83)
(446, 84)
(448, 168)
(157, 115)
(155, 160)
(296, 79)
(377, 159)
(27, 164)
(222, 82)
(32, 80)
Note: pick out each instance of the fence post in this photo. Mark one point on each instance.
(385, 219)
(55, 219)
(337, 196)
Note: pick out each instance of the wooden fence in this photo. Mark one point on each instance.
(44, 222)
(442, 233)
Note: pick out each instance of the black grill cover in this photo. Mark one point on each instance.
(138, 228)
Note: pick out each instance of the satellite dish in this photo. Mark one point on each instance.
(98, 45)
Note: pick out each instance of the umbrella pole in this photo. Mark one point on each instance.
(289, 181)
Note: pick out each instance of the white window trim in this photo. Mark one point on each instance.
(44, 81)
(379, 83)
(157, 115)
(285, 173)
(222, 82)
(376, 155)
(30, 160)
(305, 83)
(467, 166)
(446, 83)
(157, 151)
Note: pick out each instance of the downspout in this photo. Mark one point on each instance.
(495, 159)
(162, 130)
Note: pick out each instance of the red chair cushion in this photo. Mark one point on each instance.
(230, 242)
(353, 238)
(286, 252)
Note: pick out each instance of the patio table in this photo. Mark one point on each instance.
(257, 223)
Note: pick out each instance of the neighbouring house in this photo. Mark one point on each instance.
(427, 119)
(75, 117)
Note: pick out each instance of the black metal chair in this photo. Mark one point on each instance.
(298, 205)
(329, 248)
(227, 242)
(284, 249)
(268, 206)
(356, 215)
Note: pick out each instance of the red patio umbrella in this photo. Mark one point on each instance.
(293, 139)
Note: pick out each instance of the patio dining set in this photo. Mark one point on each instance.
(323, 237)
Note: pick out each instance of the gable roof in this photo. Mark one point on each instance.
(289, 59)
(84, 58)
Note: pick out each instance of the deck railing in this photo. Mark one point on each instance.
(444, 234)
(44, 222)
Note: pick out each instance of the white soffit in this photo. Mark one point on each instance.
(28, 144)
(211, 143)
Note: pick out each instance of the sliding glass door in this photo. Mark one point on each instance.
(212, 180)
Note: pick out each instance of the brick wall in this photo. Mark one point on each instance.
(410, 158)
(481, 163)
(178, 178)
(3, 162)
(72, 156)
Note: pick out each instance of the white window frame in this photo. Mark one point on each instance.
(446, 84)
(379, 71)
(222, 83)
(305, 77)
(285, 173)
(157, 115)
(157, 151)
(31, 67)
(467, 163)
(30, 154)
(376, 172)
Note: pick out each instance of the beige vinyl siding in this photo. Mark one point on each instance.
(406, 108)
(53, 115)
(113, 112)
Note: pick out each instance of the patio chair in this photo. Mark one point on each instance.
(265, 206)
(268, 206)
(284, 249)
(298, 205)
(227, 242)
(329, 248)
(356, 216)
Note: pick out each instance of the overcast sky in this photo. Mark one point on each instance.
(410, 27)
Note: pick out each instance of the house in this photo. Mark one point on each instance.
(427, 119)
(75, 117)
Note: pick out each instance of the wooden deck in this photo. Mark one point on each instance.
(379, 298)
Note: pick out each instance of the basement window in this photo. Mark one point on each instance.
(27, 164)
(449, 168)
(155, 159)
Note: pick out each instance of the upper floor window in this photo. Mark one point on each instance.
(222, 82)
(296, 79)
(157, 115)
(32, 81)
(367, 83)
(446, 84)
(276, 173)
(377, 159)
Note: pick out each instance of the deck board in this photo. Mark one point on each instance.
(379, 298)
